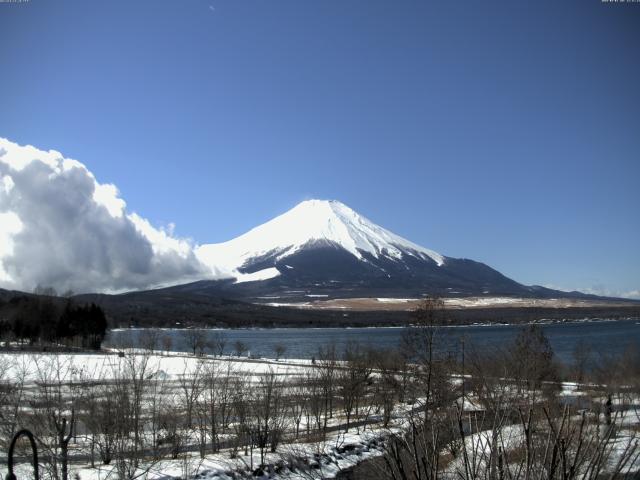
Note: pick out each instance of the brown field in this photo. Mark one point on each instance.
(408, 304)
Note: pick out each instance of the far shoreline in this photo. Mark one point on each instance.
(380, 327)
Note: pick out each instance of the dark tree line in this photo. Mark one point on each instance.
(48, 320)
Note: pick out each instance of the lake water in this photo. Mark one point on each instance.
(603, 336)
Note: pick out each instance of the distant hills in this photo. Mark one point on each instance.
(171, 308)
(323, 264)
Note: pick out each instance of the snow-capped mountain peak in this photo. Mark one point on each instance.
(309, 222)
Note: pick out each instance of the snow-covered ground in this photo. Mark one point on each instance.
(171, 366)
(294, 459)
(316, 460)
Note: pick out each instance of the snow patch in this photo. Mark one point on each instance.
(264, 274)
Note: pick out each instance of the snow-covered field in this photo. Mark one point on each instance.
(295, 458)
(170, 367)
(317, 460)
(304, 456)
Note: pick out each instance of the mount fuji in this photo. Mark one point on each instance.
(324, 249)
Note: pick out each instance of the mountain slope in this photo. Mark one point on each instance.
(313, 222)
(324, 248)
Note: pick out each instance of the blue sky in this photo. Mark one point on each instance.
(507, 132)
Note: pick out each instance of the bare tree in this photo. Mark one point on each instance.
(157, 395)
(167, 342)
(218, 343)
(512, 431)
(240, 348)
(279, 350)
(241, 402)
(582, 358)
(430, 367)
(13, 373)
(171, 431)
(328, 371)
(533, 365)
(217, 404)
(196, 340)
(55, 407)
(149, 339)
(297, 395)
(100, 417)
(314, 406)
(190, 383)
(352, 380)
(131, 382)
(389, 365)
(269, 413)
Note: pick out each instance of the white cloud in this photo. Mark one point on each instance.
(632, 294)
(604, 291)
(10, 225)
(107, 196)
(60, 227)
(601, 290)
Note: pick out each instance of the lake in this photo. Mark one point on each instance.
(602, 335)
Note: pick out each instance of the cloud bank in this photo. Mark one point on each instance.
(60, 227)
(600, 290)
(607, 292)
